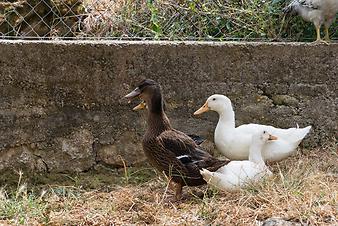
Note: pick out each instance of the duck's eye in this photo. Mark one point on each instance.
(264, 132)
(214, 98)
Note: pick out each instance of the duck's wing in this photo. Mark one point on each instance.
(187, 152)
(177, 142)
(173, 156)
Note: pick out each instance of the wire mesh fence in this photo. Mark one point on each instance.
(41, 18)
(150, 19)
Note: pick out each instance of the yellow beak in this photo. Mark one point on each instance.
(140, 106)
(271, 137)
(202, 109)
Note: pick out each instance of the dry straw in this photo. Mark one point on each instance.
(304, 189)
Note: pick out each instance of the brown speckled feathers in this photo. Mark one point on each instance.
(179, 157)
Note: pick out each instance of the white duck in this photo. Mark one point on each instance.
(237, 174)
(234, 142)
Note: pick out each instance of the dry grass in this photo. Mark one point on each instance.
(304, 189)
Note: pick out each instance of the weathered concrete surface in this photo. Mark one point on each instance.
(61, 108)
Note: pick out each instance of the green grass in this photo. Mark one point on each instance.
(216, 20)
(197, 20)
(22, 205)
(22, 208)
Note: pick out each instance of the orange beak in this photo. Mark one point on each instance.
(202, 109)
(271, 137)
(140, 106)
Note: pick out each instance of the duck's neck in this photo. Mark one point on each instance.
(255, 153)
(157, 123)
(226, 119)
(157, 120)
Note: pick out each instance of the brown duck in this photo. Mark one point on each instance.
(169, 150)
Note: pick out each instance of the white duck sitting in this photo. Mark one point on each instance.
(234, 142)
(237, 174)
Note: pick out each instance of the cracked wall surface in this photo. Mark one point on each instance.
(62, 108)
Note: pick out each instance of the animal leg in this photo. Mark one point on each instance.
(319, 40)
(172, 184)
(318, 33)
(327, 36)
(178, 191)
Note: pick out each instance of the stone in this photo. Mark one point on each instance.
(285, 100)
(279, 222)
(72, 154)
(20, 159)
(124, 152)
(62, 106)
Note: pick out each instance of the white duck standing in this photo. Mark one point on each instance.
(234, 142)
(237, 174)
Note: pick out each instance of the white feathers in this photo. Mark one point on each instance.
(237, 174)
(182, 156)
(234, 142)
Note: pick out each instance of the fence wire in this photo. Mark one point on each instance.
(41, 18)
(150, 19)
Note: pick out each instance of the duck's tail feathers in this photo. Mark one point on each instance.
(292, 135)
(301, 133)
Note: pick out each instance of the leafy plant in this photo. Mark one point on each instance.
(202, 20)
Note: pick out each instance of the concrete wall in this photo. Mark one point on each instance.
(61, 108)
